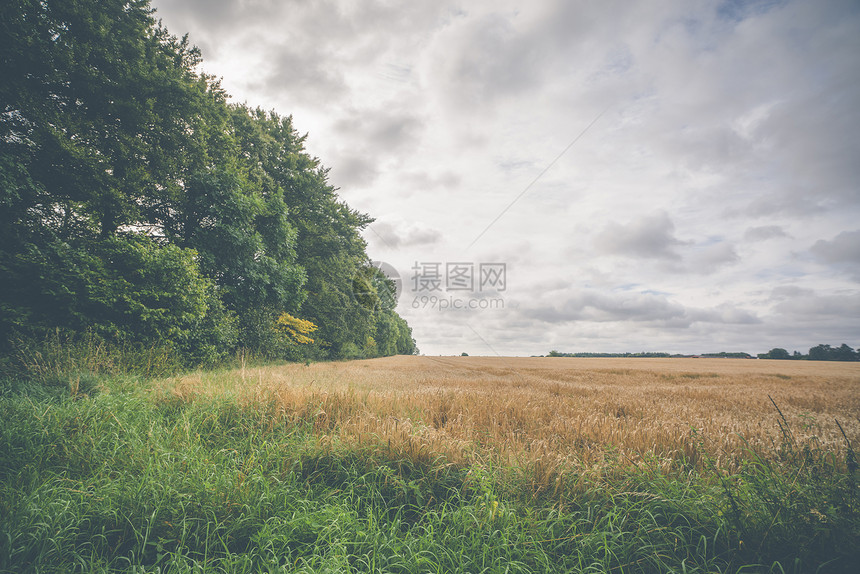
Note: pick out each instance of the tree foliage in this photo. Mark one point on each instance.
(137, 202)
(828, 353)
(297, 330)
(817, 353)
(775, 353)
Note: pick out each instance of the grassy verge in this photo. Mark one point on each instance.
(127, 480)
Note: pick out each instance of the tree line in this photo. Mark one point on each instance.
(554, 353)
(817, 353)
(138, 204)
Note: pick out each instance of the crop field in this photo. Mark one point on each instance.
(436, 464)
(557, 413)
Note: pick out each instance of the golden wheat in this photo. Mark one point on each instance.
(546, 414)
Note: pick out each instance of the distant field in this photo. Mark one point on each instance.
(567, 412)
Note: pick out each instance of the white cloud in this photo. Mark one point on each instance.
(712, 206)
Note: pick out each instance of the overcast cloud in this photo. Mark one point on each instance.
(712, 205)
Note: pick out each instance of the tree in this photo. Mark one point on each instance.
(776, 353)
(821, 353)
(844, 353)
(828, 353)
(134, 199)
(327, 241)
(90, 97)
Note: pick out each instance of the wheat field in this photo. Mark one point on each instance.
(551, 414)
(439, 464)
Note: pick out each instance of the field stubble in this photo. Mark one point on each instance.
(552, 415)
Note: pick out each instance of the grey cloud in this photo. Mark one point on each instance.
(489, 59)
(375, 130)
(395, 236)
(843, 252)
(760, 109)
(354, 170)
(710, 145)
(303, 49)
(764, 232)
(597, 306)
(210, 14)
(739, 10)
(507, 53)
(651, 237)
(602, 307)
(511, 166)
(708, 259)
(326, 21)
(844, 248)
(823, 109)
(301, 76)
(808, 317)
(302, 72)
(789, 292)
(726, 314)
(211, 23)
(422, 181)
(382, 129)
(814, 307)
(396, 73)
(791, 200)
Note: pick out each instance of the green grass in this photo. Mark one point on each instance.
(119, 482)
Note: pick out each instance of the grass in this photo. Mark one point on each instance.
(419, 465)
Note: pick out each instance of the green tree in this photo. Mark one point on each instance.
(844, 353)
(776, 353)
(328, 245)
(134, 200)
(393, 335)
(96, 107)
(93, 96)
(821, 353)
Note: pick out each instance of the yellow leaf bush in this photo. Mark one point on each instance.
(296, 330)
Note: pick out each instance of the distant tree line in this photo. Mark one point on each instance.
(725, 355)
(136, 203)
(646, 355)
(818, 353)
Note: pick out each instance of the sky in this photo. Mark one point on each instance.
(679, 176)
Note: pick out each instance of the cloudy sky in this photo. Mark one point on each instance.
(676, 175)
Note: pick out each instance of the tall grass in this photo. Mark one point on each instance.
(74, 362)
(228, 478)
